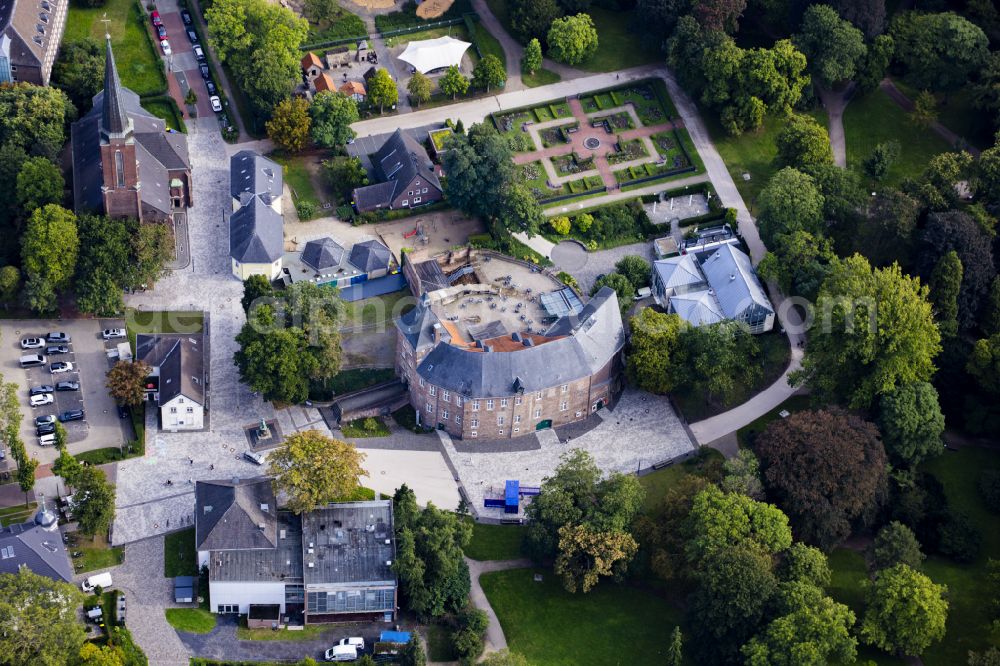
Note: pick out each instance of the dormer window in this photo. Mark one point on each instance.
(44, 18)
(36, 39)
(40, 28)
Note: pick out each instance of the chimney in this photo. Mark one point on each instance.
(437, 333)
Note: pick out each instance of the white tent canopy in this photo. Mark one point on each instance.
(430, 54)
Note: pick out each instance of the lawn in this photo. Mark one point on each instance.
(139, 64)
(299, 180)
(374, 427)
(379, 309)
(541, 77)
(165, 110)
(347, 381)
(308, 633)
(488, 44)
(745, 435)
(457, 31)
(617, 44)
(407, 17)
(94, 554)
(875, 118)
(440, 647)
(657, 483)
(495, 542)
(957, 113)
(17, 514)
(191, 620)
(343, 25)
(611, 624)
(179, 555)
(164, 321)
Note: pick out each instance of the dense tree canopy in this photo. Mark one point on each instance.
(382, 90)
(49, 249)
(895, 544)
(332, 114)
(572, 39)
(532, 18)
(34, 118)
(791, 202)
(875, 331)
(833, 47)
(721, 15)
(868, 15)
(44, 613)
(716, 360)
(79, 71)
(313, 470)
(273, 359)
(799, 262)
(531, 61)
(939, 51)
(654, 340)
(127, 382)
(453, 83)
(912, 423)
(826, 469)
(94, 501)
(39, 183)
(489, 73)
(906, 611)
(289, 125)
(420, 88)
(803, 143)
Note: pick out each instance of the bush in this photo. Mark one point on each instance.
(959, 540)
(305, 209)
(989, 488)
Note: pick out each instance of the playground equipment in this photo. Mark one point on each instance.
(513, 492)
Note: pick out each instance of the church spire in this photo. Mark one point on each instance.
(114, 121)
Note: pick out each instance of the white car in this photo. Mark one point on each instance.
(356, 641)
(113, 333)
(216, 103)
(165, 45)
(341, 653)
(32, 343)
(62, 366)
(43, 399)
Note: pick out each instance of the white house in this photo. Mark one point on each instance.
(177, 378)
(256, 226)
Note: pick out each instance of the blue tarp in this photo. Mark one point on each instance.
(395, 637)
(371, 288)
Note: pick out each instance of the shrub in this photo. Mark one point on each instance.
(989, 488)
(959, 540)
(305, 209)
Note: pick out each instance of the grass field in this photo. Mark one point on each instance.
(488, 44)
(355, 379)
(957, 113)
(17, 514)
(611, 624)
(656, 484)
(191, 620)
(875, 118)
(457, 31)
(617, 45)
(343, 24)
(166, 111)
(358, 428)
(139, 65)
(379, 309)
(495, 542)
(308, 633)
(541, 77)
(298, 179)
(440, 647)
(179, 555)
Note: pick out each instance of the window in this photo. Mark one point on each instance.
(228, 608)
(538, 413)
(416, 200)
(474, 423)
(444, 414)
(489, 405)
(503, 402)
(406, 202)
(458, 419)
(7, 552)
(421, 382)
(190, 410)
(563, 406)
(538, 395)
(500, 431)
(173, 410)
(475, 405)
(517, 418)
(517, 430)
(119, 169)
(416, 183)
(500, 420)
(424, 190)
(564, 388)
(579, 414)
(517, 400)
(458, 400)
(446, 395)
(430, 408)
(474, 434)
(434, 390)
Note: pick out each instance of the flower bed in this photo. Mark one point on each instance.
(566, 164)
(628, 150)
(617, 122)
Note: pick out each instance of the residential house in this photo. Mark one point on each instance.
(30, 32)
(324, 82)
(355, 90)
(125, 162)
(405, 177)
(36, 545)
(177, 377)
(709, 287)
(312, 66)
(256, 226)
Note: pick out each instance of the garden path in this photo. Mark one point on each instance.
(835, 102)
(495, 640)
(953, 139)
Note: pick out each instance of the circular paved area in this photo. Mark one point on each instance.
(592, 142)
(569, 255)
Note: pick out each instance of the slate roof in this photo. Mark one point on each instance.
(681, 271)
(250, 173)
(229, 514)
(348, 540)
(731, 275)
(19, 21)
(36, 545)
(322, 253)
(181, 363)
(397, 162)
(697, 307)
(255, 234)
(581, 344)
(370, 255)
(279, 563)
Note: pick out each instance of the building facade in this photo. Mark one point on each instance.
(30, 32)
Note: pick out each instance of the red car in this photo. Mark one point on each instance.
(157, 21)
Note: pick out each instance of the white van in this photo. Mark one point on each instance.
(31, 360)
(47, 440)
(355, 641)
(342, 653)
(102, 579)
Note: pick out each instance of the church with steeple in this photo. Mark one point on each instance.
(125, 161)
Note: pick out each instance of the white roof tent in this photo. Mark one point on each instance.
(429, 54)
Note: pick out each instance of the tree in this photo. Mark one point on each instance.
(26, 475)
(655, 337)
(720, 521)
(720, 15)
(895, 544)
(572, 39)
(912, 423)
(798, 262)
(876, 63)
(49, 249)
(984, 364)
(742, 475)
(273, 359)
(805, 564)
(34, 118)
(990, 657)
(39, 183)
(419, 87)
(561, 225)
(489, 72)
(468, 638)
(716, 360)
(675, 649)
(453, 83)
(256, 287)
(332, 114)
(127, 382)
(868, 15)
(936, 185)
(344, 174)
(945, 285)
(94, 501)
(989, 321)
(584, 221)
(323, 12)
(826, 469)
(635, 269)
(924, 113)
(44, 612)
(876, 166)
(532, 18)
(790, 202)
(938, 51)
(586, 554)
(803, 142)
(906, 611)
(79, 71)
(433, 575)
(413, 654)
(382, 90)
(67, 466)
(833, 47)
(877, 333)
(621, 286)
(314, 470)
(10, 282)
(289, 125)
(99, 294)
(152, 247)
(655, 18)
(107, 655)
(957, 231)
(531, 61)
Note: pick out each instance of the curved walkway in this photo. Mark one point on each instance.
(953, 139)
(513, 52)
(495, 640)
(835, 103)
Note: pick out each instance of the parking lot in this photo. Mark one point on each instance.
(101, 427)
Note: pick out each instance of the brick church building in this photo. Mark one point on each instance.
(125, 162)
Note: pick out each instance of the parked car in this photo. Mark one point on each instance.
(199, 53)
(216, 103)
(204, 71)
(43, 399)
(55, 337)
(356, 641)
(45, 419)
(210, 84)
(342, 653)
(254, 457)
(155, 15)
(31, 360)
(113, 333)
(57, 349)
(71, 415)
(47, 440)
(165, 47)
(61, 366)
(192, 35)
(186, 17)
(46, 429)
(68, 386)
(32, 343)
(38, 390)
(102, 579)
(161, 32)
